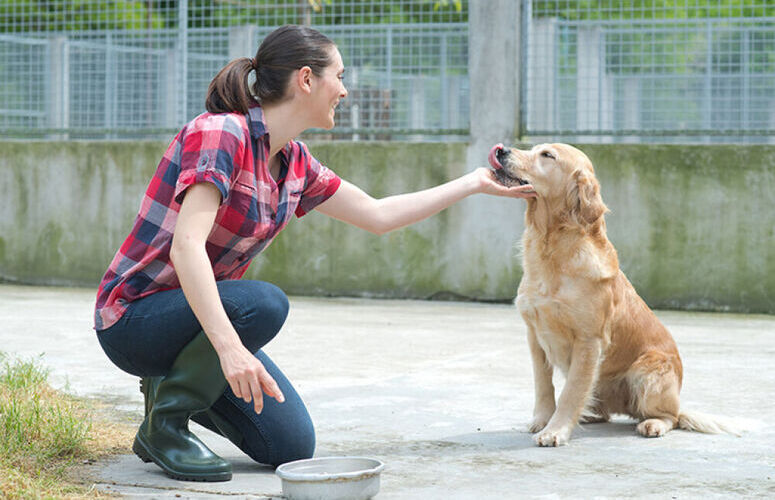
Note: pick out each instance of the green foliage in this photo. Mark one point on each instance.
(17, 16)
(37, 424)
(21, 16)
(608, 10)
(82, 15)
(208, 13)
(737, 43)
(44, 433)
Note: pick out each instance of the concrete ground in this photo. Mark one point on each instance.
(442, 393)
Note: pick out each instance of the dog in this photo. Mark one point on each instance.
(583, 316)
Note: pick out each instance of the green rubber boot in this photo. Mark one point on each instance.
(209, 419)
(192, 385)
(148, 386)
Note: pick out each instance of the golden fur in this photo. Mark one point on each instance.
(583, 316)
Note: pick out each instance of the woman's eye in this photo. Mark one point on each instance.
(547, 154)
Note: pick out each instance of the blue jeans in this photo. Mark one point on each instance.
(153, 330)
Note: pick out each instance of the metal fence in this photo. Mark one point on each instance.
(651, 71)
(595, 70)
(107, 68)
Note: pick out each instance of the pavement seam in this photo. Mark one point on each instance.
(178, 489)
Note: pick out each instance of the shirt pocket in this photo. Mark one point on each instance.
(245, 199)
(242, 216)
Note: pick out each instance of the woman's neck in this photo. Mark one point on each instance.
(284, 122)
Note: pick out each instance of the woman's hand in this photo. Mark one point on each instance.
(247, 377)
(487, 184)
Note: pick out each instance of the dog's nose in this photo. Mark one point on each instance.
(501, 153)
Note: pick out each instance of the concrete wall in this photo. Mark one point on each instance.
(694, 225)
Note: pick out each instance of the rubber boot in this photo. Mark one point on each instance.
(148, 386)
(209, 419)
(192, 385)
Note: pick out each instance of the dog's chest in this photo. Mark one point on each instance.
(558, 349)
(546, 310)
(558, 297)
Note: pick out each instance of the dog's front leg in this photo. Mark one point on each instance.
(582, 376)
(543, 386)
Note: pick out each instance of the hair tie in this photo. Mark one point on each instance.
(253, 64)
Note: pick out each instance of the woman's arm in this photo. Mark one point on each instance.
(245, 374)
(350, 204)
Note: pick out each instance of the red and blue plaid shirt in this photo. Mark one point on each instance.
(215, 148)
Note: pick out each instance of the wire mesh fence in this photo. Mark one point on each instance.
(110, 68)
(607, 70)
(658, 71)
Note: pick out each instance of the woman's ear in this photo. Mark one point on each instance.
(589, 206)
(304, 79)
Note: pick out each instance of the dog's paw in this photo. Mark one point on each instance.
(551, 437)
(541, 416)
(654, 427)
(538, 423)
(594, 419)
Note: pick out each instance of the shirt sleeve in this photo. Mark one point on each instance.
(212, 150)
(320, 184)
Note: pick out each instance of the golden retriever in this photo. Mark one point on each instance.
(583, 316)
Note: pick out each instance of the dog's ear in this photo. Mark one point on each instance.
(589, 206)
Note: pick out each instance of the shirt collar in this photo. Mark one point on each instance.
(257, 124)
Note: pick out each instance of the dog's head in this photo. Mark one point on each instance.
(562, 176)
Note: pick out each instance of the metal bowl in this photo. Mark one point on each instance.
(331, 478)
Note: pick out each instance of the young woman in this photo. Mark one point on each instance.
(171, 307)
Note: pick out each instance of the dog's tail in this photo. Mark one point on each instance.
(710, 424)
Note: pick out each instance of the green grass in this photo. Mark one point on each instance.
(45, 433)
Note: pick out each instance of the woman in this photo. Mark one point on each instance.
(171, 307)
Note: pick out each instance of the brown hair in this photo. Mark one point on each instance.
(282, 52)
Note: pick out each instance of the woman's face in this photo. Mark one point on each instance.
(328, 91)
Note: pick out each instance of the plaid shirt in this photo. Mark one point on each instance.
(215, 148)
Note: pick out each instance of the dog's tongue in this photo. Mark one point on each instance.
(493, 159)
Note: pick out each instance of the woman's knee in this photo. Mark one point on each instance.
(257, 309)
(294, 444)
(275, 303)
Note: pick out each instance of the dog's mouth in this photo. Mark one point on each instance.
(502, 174)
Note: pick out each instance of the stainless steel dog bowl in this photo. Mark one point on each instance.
(331, 478)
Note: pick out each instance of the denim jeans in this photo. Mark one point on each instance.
(153, 330)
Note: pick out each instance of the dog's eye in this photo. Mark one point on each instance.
(547, 154)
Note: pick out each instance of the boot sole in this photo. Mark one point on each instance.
(145, 454)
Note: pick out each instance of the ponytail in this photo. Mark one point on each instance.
(283, 51)
(229, 92)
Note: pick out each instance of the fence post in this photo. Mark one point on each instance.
(631, 103)
(445, 97)
(111, 89)
(355, 108)
(171, 90)
(707, 89)
(494, 35)
(745, 122)
(59, 96)
(182, 69)
(493, 70)
(593, 90)
(241, 41)
(541, 85)
(417, 105)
